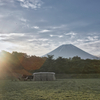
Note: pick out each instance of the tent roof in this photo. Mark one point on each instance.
(43, 73)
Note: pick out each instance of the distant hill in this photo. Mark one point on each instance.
(69, 50)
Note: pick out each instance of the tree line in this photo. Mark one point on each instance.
(25, 64)
(74, 65)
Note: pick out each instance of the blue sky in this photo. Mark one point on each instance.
(36, 27)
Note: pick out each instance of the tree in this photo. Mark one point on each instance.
(76, 58)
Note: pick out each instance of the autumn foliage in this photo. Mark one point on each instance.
(19, 63)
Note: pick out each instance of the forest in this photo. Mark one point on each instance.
(74, 65)
(17, 62)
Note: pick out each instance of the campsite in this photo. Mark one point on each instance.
(49, 50)
(53, 79)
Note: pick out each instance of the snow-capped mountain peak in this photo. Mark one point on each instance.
(69, 50)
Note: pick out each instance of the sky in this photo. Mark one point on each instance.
(37, 27)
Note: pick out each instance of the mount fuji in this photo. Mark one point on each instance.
(69, 51)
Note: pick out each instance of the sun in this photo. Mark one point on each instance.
(3, 59)
(2, 63)
(2, 55)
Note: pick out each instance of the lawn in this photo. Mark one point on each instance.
(61, 89)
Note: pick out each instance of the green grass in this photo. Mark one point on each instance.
(61, 89)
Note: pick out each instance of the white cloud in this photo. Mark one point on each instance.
(82, 40)
(91, 47)
(58, 27)
(93, 38)
(23, 19)
(51, 35)
(71, 33)
(6, 46)
(30, 40)
(34, 4)
(12, 34)
(21, 0)
(2, 38)
(36, 27)
(6, 2)
(60, 36)
(43, 31)
(87, 40)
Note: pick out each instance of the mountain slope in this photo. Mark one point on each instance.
(70, 50)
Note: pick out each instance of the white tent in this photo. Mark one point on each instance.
(44, 76)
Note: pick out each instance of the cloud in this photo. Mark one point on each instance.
(72, 34)
(12, 37)
(60, 36)
(94, 38)
(58, 27)
(87, 39)
(35, 27)
(23, 19)
(44, 31)
(31, 40)
(12, 34)
(5, 46)
(35, 46)
(91, 47)
(34, 4)
(7, 3)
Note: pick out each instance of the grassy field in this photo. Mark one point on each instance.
(61, 89)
